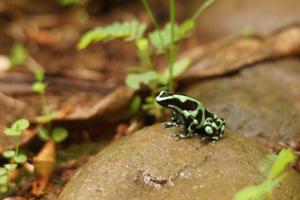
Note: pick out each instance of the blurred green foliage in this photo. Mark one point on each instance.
(14, 157)
(275, 168)
(18, 54)
(148, 45)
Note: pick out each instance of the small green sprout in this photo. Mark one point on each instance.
(275, 174)
(39, 86)
(16, 158)
(18, 54)
(58, 134)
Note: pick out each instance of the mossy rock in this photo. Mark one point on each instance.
(262, 100)
(150, 164)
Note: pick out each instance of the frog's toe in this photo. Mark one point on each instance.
(175, 136)
(176, 125)
(185, 135)
(205, 139)
(167, 124)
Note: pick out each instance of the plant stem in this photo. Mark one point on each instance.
(45, 109)
(172, 48)
(17, 146)
(200, 10)
(150, 13)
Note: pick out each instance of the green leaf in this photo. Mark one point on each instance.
(2, 171)
(59, 134)
(39, 87)
(20, 159)
(150, 99)
(285, 157)
(149, 102)
(3, 188)
(11, 132)
(257, 192)
(185, 29)
(9, 154)
(135, 80)
(155, 39)
(178, 68)
(10, 167)
(18, 54)
(266, 165)
(128, 31)
(135, 104)
(17, 127)
(247, 31)
(142, 44)
(69, 2)
(20, 125)
(39, 75)
(182, 31)
(3, 180)
(44, 134)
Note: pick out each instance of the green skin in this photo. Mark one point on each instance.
(193, 115)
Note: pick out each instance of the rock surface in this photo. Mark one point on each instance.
(230, 17)
(151, 165)
(263, 100)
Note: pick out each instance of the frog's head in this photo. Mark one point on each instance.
(214, 127)
(176, 101)
(165, 98)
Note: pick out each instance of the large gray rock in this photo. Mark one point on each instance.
(230, 17)
(152, 165)
(263, 100)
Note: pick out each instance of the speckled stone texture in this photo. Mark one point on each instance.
(151, 165)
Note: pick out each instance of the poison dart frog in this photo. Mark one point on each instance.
(193, 115)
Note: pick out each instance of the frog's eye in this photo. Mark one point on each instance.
(209, 130)
(163, 94)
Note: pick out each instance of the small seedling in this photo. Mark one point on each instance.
(14, 156)
(57, 134)
(18, 55)
(39, 86)
(274, 175)
(148, 45)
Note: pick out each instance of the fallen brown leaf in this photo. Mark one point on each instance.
(44, 165)
(231, 54)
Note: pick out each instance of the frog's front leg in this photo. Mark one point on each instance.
(190, 130)
(175, 122)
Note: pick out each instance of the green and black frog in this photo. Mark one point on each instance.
(193, 115)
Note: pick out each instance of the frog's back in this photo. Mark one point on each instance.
(188, 103)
